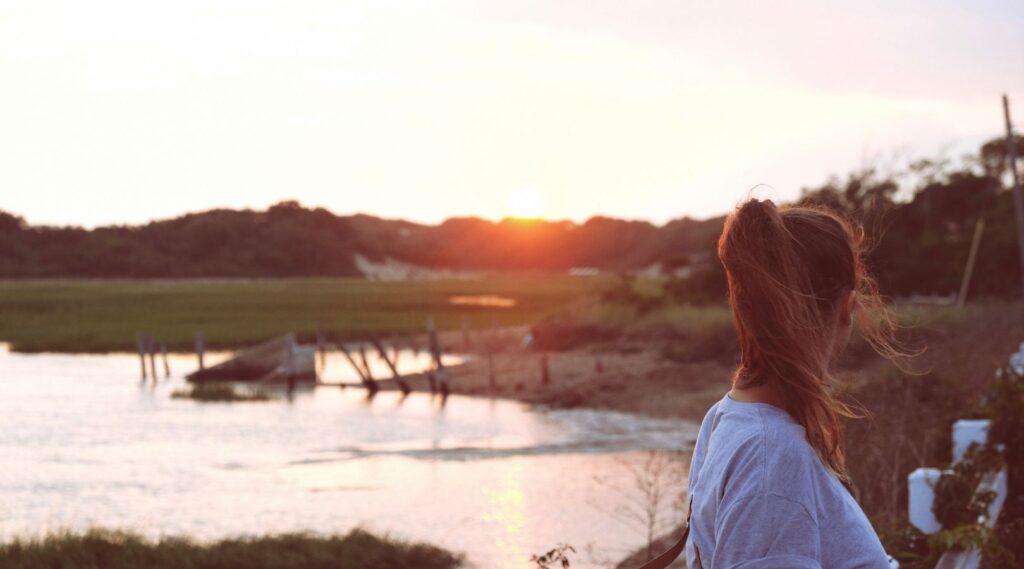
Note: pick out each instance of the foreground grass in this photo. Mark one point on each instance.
(108, 549)
(104, 315)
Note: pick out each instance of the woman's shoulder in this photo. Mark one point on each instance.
(763, 451)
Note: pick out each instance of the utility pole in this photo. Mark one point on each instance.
(1018, 200)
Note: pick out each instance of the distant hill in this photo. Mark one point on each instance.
(288, 239)
(916, 242)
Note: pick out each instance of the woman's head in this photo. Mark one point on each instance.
(796, 282)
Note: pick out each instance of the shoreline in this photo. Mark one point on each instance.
(615, 376)
(642, 383)
(623, 376)
(632, 377)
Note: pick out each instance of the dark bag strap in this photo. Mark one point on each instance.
(665, 559)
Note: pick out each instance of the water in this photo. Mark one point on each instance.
(83, 443)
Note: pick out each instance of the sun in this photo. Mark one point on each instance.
(525, 203)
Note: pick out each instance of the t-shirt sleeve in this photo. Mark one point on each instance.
(765, 531)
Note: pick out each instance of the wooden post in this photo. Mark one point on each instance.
(321, 348)
(290, 364)
(1018, 200)
(200, 347)
(545, 375)
(140, 345)
(434, 342)
(366, 364)
(492, 378)
(368, 382)
(167, 366)
(290, 356)
(435, 350)
(394, 370)
(395, 351)
(151, 347)
(442, 380)
(965, 284)
(444, 383)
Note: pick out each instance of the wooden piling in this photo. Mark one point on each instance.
(434, 342)
(140, 345)
(290, 357)
(444, 384)
(200, 348)
(366, 363)
(368, 382)
(436, 351)
(321, 348)
(167, 365)
(395, 352)
(151, 347)
(394, 369)
(545, 374)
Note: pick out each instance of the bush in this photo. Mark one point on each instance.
(718, 343)
(566, 334)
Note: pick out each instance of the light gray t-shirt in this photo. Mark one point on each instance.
(761, 497)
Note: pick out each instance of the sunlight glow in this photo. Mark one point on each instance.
(525, 203)
(116, 111)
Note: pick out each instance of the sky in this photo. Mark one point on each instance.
(127, 111)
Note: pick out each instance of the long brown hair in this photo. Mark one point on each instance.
(787, 268)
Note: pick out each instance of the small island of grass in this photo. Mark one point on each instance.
(219, 393)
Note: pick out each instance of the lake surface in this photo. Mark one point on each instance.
(84, 443)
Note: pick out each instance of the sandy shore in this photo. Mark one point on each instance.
(627, 377)
(637, 382)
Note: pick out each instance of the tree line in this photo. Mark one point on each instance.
(289, 240)
(918, 221)
(920, 245)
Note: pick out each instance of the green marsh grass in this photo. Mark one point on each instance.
(219, 393)
(104, 315)
(112, 549)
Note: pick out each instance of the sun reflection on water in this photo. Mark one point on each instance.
(505, 499)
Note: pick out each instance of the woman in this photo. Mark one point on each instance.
(768, 481)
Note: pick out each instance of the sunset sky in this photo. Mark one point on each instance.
(114, 112)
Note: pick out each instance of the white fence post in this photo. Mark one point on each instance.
(966, 432)
(921, 495)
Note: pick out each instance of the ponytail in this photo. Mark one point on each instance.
(786, 270)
